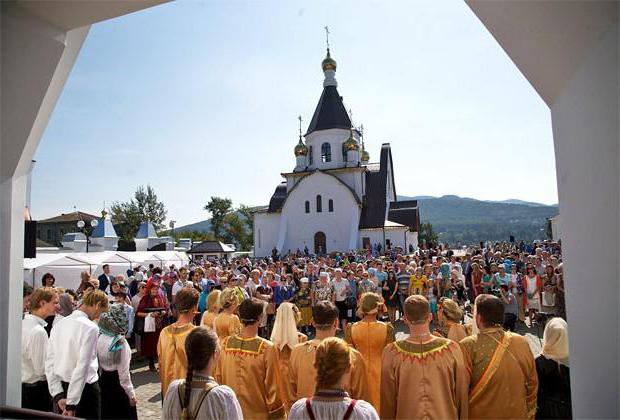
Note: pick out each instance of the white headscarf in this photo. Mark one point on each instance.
(555, 341)
(285, 327)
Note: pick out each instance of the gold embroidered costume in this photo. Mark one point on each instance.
(424, 380)
(301, 381)
(501, 364)
(226, 325)
(370, 338)
(171, 353)
(250, 366)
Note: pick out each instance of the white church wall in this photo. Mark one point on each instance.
(374, 235)
(339, 226)
(266, 227)
(397, 237)
(412, 238)
(335, 137)
(353, 179)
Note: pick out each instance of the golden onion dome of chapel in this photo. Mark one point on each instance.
(365, 156)
(301, 149)
(328, 63)
(351, 143)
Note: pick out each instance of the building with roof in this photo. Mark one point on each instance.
(210, 249)
(335, 199)
(53, 230)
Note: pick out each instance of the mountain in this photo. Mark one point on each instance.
(467, 220)
(203, 226)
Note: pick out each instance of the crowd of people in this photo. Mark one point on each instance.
(308, 337)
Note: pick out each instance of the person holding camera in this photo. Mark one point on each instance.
(511, 307)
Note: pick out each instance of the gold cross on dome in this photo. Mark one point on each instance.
(299, 118)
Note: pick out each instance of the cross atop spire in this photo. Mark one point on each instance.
(327, 38)
(299, 118)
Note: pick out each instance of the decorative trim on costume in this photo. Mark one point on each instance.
(238, 345)
(420, 351)
(492, 367)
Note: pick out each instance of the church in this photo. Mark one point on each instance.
(335, 199)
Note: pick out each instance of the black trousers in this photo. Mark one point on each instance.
(90, 401)
(36, 396)
(510, 321)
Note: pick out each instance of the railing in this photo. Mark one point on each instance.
(8, 412)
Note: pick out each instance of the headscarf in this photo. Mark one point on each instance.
(370, 303)
(114, 323)
(285, 327)
(213, 300)
(555, 341)
(66, 307)
(228, 298)
(451, 310)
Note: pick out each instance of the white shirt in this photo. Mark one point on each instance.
(34, 349)
(339, 288)
(220, 403)
(178, 285)
(119, 362)
(333, 410)
(72, 356)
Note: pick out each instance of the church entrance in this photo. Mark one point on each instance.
(320, 243)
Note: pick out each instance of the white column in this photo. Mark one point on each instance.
(36, 60)
(586, 139)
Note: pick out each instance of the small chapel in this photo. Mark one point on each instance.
(335, 199)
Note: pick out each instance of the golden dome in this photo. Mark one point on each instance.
(328, 63)
(351, 143)
(301, 149)
(365, 156)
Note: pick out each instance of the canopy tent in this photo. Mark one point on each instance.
(65, 268)
(119, 264)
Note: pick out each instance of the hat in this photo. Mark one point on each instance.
(451, 310)
(304, 280)
(228, 298)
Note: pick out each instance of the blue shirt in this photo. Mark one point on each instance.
(282, 293)
(382, 276)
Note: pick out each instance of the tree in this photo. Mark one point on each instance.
(143, 207)
(237, 231)
(426, 235)
(219, 208)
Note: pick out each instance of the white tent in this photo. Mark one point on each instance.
(119, 264)
(168, 258)
(65, 268)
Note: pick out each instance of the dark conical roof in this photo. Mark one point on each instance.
(330, 112)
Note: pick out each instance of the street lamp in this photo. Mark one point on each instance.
(87, 230)
(172, 222)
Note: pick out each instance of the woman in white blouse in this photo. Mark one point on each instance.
(117, 392)
(198, 396)
(330, 401)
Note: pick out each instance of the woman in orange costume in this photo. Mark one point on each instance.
(370, 337)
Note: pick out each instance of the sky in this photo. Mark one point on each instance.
(201, 98)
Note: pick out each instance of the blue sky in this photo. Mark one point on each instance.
(200, 98)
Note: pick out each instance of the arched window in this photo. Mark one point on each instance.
(307, 207)
(326, 152)
(344, 153)
(319, 204)
(310, 156)
(330, 205)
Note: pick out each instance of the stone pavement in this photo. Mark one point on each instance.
(147, 384)
(147, 388)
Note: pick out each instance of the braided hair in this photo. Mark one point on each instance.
(333, 359)
(200, 345)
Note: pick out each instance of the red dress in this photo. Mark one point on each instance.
(150, 339)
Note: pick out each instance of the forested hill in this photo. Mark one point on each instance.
(467, 220)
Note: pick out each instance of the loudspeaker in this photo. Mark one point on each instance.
(512, 238)
(30, 239)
